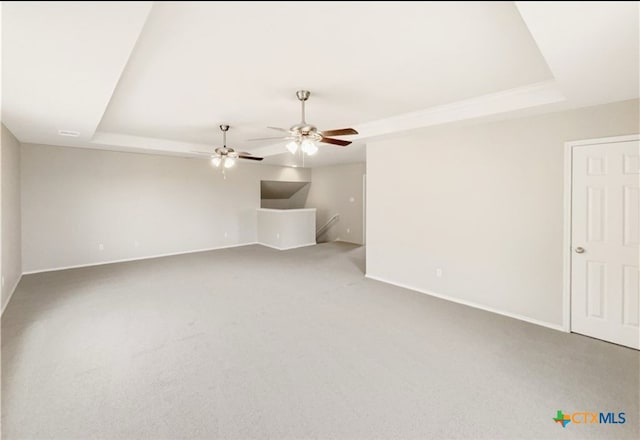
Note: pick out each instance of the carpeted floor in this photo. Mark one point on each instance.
(252, 342)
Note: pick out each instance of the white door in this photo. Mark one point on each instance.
(605, 239)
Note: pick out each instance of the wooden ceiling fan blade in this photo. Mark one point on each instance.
(335, 141)
(339, 132)
(244, 156)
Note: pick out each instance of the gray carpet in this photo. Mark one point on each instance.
(255, 343)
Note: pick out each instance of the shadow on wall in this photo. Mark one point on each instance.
(283, 195)
(322, 232)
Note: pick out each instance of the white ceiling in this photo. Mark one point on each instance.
(592, 47)
(160, 77)
(61, 64)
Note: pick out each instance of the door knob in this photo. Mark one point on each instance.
(579, 250)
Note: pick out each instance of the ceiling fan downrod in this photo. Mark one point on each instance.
(224, 129)
(303, 95)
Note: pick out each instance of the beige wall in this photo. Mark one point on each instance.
(11, 235)
(484, 203)
(135, 205)
(338, 190)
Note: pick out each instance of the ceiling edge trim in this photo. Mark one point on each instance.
(519, 98)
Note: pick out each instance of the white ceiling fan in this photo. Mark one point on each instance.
(224, 156)
(304, 136)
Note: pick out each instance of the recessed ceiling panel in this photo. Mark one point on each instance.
(61, 62)
(199, 64)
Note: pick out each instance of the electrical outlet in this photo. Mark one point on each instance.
(352, 199)
(439, 272)
(348, 231)
(226, 234)
(136, 243)
(100, 247)
(2, 281)
(277, 235)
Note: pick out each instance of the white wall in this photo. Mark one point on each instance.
(484, 203)
(11, 243)
(338, 190)
(274, 203)
(286, 228)
(135, 205)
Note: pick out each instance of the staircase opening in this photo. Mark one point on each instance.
(283, 195)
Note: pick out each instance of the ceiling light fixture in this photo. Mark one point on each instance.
(309, 147)
(304, 145)
(293, 147)
(229, 162)
(224, 156)
(304, 137)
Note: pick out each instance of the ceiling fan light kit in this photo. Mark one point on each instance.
(304, 137)
(224, 156)
(305, 145)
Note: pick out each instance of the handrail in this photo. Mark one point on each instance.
(324, 228)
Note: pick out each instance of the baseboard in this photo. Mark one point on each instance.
(15, 286)
(472, 304)
(101, 263)
(286, 248)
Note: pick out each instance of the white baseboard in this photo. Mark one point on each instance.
(15, 285)
(286, 248)
(472, 304)
(77, 266)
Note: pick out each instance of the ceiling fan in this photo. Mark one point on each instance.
(303, 136)
(225, 156)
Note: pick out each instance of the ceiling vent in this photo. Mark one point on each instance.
(69, 133)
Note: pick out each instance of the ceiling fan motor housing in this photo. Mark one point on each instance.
(303, 131)
(303, 128)
(303, 95)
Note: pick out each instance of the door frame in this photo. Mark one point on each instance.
(364, 208)
(566, 243)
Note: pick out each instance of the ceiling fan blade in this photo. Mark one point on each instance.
(335, 141)
(279, 129)
(244, 156)
(339, 132)
(202, 152)
(269, 138)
